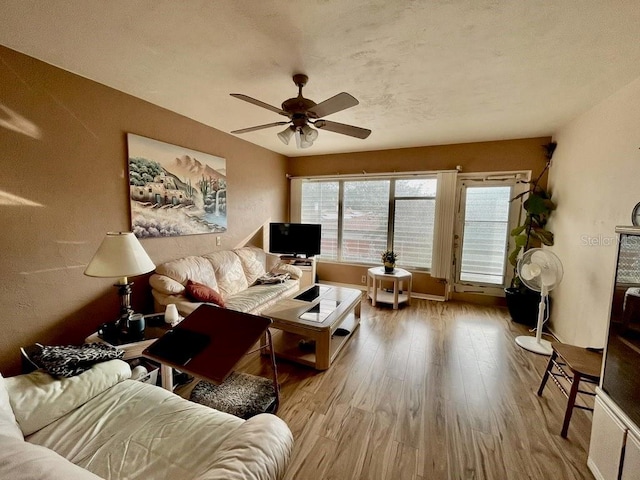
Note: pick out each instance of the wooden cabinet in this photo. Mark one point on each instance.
(631, 465)
(608, 436)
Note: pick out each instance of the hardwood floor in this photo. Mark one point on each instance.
(431, 391)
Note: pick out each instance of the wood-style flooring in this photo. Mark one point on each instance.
(431, 391)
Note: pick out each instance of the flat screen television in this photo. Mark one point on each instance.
(295, 238)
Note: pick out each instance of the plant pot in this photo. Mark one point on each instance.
(523, 305)
(389, 267)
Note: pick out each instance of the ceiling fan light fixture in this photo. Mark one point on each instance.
(310, 134)
(285, 135)
(301, 138)
(302, 142)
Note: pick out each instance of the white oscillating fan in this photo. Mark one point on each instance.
(541, 271)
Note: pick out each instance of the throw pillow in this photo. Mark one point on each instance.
(165, 284)
(201, 293)
(71, 360)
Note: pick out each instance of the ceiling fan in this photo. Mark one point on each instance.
(303, 112)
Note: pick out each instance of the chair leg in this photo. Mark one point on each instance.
(570, 403)
(545, 377)
(274, 369)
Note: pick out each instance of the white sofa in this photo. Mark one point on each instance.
(100, 424)
(232, 273)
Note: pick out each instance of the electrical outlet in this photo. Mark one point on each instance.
(218, 241)
(363, 279)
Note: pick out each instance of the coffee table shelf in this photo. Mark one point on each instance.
(292, 329)
(287, 344)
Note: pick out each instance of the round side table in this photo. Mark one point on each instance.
(400, 278)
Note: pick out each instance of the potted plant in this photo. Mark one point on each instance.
(389, 258)
(531, 233)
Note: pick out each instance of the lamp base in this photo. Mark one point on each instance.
(542, 347)
(124, 290)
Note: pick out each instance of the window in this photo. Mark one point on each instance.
(365, 220)
(321, 206)
(486, 226)
(628, 261)
(415, 202)
(362, 218)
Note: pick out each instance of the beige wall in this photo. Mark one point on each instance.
(595, 179)
(524, 154)
(63, 185)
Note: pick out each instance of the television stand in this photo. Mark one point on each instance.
(308, 267)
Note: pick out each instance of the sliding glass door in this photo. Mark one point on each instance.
(485, 216)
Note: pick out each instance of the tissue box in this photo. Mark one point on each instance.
(151, 376)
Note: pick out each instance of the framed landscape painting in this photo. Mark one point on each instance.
(174, 190)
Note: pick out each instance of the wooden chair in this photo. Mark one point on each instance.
(575, 365)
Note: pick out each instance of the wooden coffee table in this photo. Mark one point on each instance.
(308, 324)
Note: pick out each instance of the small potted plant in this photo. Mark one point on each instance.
(389, 258)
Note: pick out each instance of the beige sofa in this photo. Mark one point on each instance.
(234, 274)
(101, 424)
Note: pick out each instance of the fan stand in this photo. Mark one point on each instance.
(537, 344)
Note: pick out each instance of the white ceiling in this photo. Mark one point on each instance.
(425, 72)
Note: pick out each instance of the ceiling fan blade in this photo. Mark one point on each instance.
(339, 102)
(259, 127)
(259, 103)
(343, 129)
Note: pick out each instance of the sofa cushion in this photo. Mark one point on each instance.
(38, 399)
(8, 424)
(201, 293)
(229, 272)
(165, 284)
(236, 459)
(253, 261)
(20, 460)
(198, 269)
(260, 297)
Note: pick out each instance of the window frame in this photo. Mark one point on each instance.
(296, 209)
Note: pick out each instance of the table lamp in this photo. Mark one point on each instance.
(120, 256)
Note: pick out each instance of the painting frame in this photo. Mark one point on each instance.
(174, 190)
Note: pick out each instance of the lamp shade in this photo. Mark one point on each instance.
(286, 135)
(119, 255)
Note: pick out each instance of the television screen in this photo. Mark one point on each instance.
(295, 238)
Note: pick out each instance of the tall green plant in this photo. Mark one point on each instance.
(538, 207)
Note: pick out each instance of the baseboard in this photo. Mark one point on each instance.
(423, 296)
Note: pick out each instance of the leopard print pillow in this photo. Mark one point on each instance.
(68, 361)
